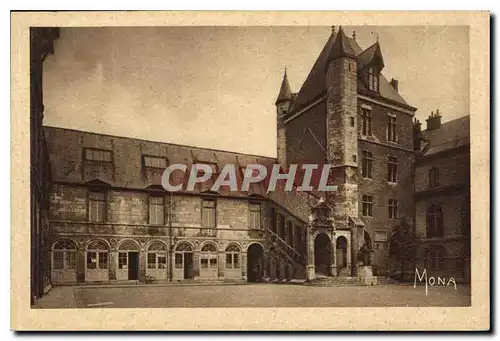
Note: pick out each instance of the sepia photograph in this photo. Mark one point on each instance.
(252, 166)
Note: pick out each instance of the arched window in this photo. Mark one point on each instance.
(209, 248)
(434, 221)
(64, 255)
(208, 257)
(123, 254)
(157, 256)
(184, 247)
(97, 255)
(181, 249)
(233, 257)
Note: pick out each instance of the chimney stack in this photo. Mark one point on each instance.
(395, 83)
(417, 134)
(434, 120)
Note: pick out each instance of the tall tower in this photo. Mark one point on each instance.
(341, 128)
(283, 105)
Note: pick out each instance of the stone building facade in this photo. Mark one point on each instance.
(347, 114)
(41, 46)
(442, 196)
(111, 220)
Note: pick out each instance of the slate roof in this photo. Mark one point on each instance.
(451, 134)
(315, 83)
(66, 155)
(285, 93)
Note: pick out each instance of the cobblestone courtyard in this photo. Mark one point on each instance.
(257, 295)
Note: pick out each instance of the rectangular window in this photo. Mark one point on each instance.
(392, 169)
(366, 122)
(367, 206)
(367, 164)
(433, 177)
(178, 260)
(122, 260)
(155, 162)
(232, 261)
(151, 260)
(103, 260)
(162, 261)
(91, 260)
(391, 128)
(58, 260)
(229, 260)
(373, 76)
(208, 215)
(393, 208)
(97, 207)
(254, 216)
(380, 236)
(70, 260)
(213, 262)
(204, 263)
(97, 155)
(156, 210)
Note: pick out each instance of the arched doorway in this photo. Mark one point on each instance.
(208, 261)
(128, 261)
(341, 247)
(183, 261)
(97, 262)
(64, 262)
(322, 254)
(255, 263)
(157, 260)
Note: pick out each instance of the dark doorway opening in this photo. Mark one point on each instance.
(133, 269)
(341, 247)
(322, 254)
(255, 263)
(188, 265)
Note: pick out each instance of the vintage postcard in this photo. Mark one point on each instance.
(287, 170)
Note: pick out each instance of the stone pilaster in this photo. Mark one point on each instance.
(311, 269)
(333, 266)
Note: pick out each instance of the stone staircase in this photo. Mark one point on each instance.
(339, 281)
(289, 255)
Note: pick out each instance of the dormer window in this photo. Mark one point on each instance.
(155, 162)
(373, 79)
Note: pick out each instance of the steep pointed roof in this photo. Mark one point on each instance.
(373, 54)
(315, 83)
(341, 47)
(285, 90)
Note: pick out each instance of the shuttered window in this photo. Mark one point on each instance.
(208, 213)
(254, 222)
(156, 210)
(97, 207)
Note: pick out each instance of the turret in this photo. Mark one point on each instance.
(283, 106)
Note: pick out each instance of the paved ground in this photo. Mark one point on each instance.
(255, 295)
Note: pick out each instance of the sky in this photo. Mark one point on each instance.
(215, 87)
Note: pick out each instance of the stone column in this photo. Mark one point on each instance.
(333, 267)
(80, 265)
(244, 266)
(349, 254)
(142, 265)
(311, 269)
(265, 264)
(113, 264)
